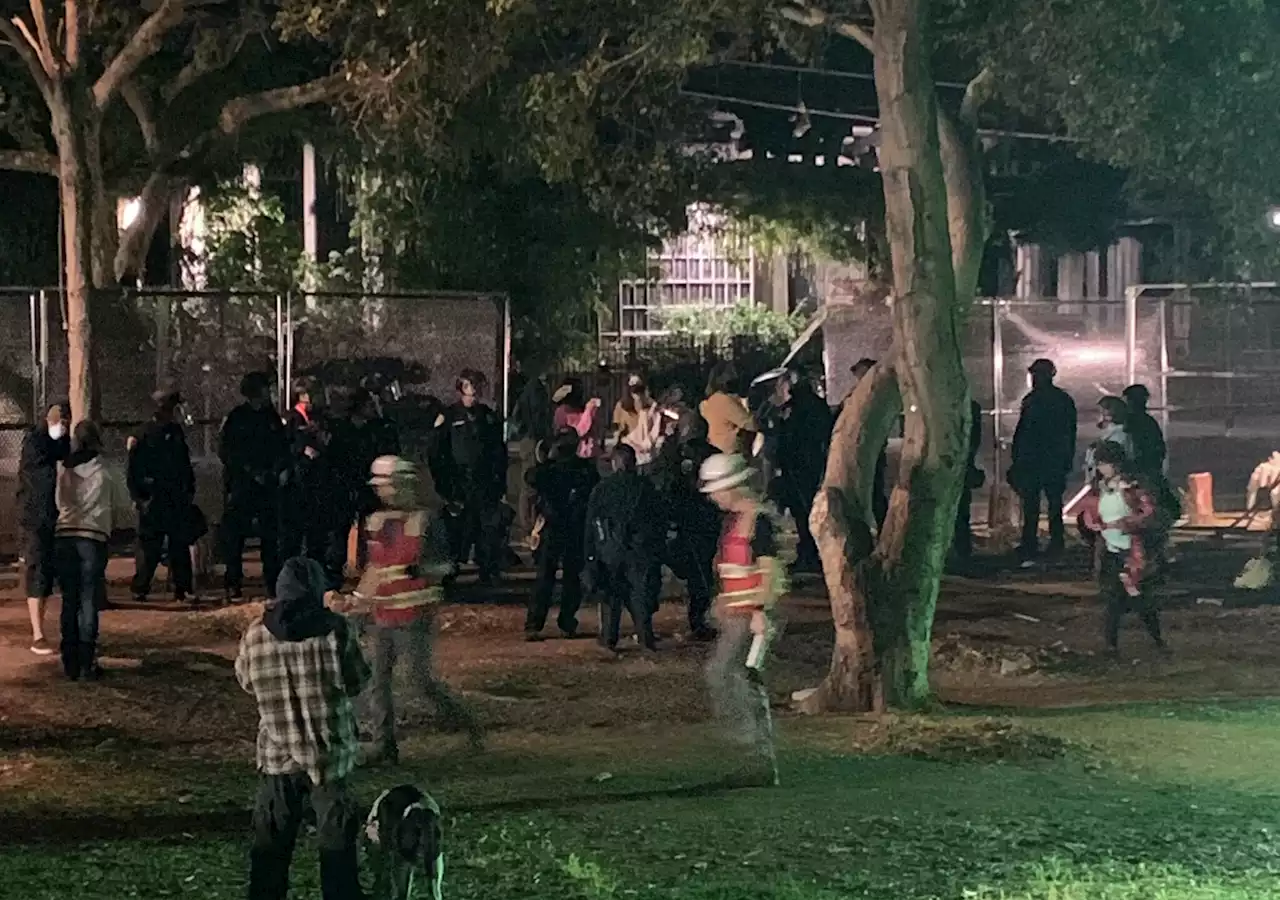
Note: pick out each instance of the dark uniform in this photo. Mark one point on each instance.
(470, 470)
(562, 488)
(1044, 449)
(696, 521)
(803, 432)
(317, 509)
(163, 487)
(254, 453)
(37, 481)
(624, 520)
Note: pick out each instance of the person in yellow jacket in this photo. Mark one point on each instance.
(398, 596)
(726, 413)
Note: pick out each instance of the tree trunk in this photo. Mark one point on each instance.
(75, 195)
(904, 573)
(842, 522)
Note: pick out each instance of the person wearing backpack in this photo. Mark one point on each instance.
(562, 485)
(623, 524)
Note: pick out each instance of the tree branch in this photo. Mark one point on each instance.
(141, 46)
(26, 46)
(35, 161)
(976, 93)
(71, 17)
(812, 17)
(242, 110)
(45, 47)
(141, 108)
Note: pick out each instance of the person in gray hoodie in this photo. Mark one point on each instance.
(89, 499)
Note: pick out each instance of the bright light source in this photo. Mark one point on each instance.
(1095, 354)
(129, 211)
(1273, 218)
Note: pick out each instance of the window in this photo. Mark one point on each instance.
(708, 267)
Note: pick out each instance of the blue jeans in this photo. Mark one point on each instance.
(82, 569)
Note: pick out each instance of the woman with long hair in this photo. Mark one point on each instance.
(638, 421)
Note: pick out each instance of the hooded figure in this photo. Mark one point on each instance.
(1144, 432)
(303, 666)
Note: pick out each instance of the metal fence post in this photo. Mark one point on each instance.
(1164, 373)
(286, 385)
(997, 394)
(1131, 334)
(44, 348)
(35, 358)
(280, 353)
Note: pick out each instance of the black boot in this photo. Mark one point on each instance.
(71, 661)
(89, 668)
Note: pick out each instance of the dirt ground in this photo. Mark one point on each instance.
(1003, 638)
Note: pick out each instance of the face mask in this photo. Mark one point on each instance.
(57, 432)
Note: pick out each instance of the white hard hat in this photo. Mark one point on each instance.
(386, 469)
(722, 472)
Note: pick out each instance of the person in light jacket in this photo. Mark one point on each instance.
(90, 500)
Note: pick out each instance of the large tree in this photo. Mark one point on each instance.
(884, 589)
(189, 75)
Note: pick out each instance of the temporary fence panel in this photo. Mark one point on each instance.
(1219, 378)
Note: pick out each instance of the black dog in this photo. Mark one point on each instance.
(404, 842)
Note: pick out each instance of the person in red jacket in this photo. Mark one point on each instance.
(752, 580)
(1121, 511)
(399, 592)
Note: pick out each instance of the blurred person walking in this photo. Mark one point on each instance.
(752, 580)
(730, 427)
(399, 594)
(43, 447)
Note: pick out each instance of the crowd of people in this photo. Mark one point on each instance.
(1129, 505)
(662, 482)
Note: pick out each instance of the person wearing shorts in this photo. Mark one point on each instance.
(43, 447)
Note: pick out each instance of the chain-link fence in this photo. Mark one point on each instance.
(202, 343)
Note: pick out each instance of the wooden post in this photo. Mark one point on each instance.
(1200, 498)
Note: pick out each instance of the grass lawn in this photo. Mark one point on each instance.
(1161, 802)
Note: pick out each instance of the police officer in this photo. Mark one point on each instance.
(472, 464)
(695, 520)
(1044, 448)
(562, 486)
(254, 453)
(163, 486)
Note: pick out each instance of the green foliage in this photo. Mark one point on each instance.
(1178, 92)
(248, 243)
(740, 320)
(486, 228)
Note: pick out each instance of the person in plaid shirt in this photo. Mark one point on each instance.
(303, 665)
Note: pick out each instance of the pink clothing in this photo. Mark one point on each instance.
(583, 422)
